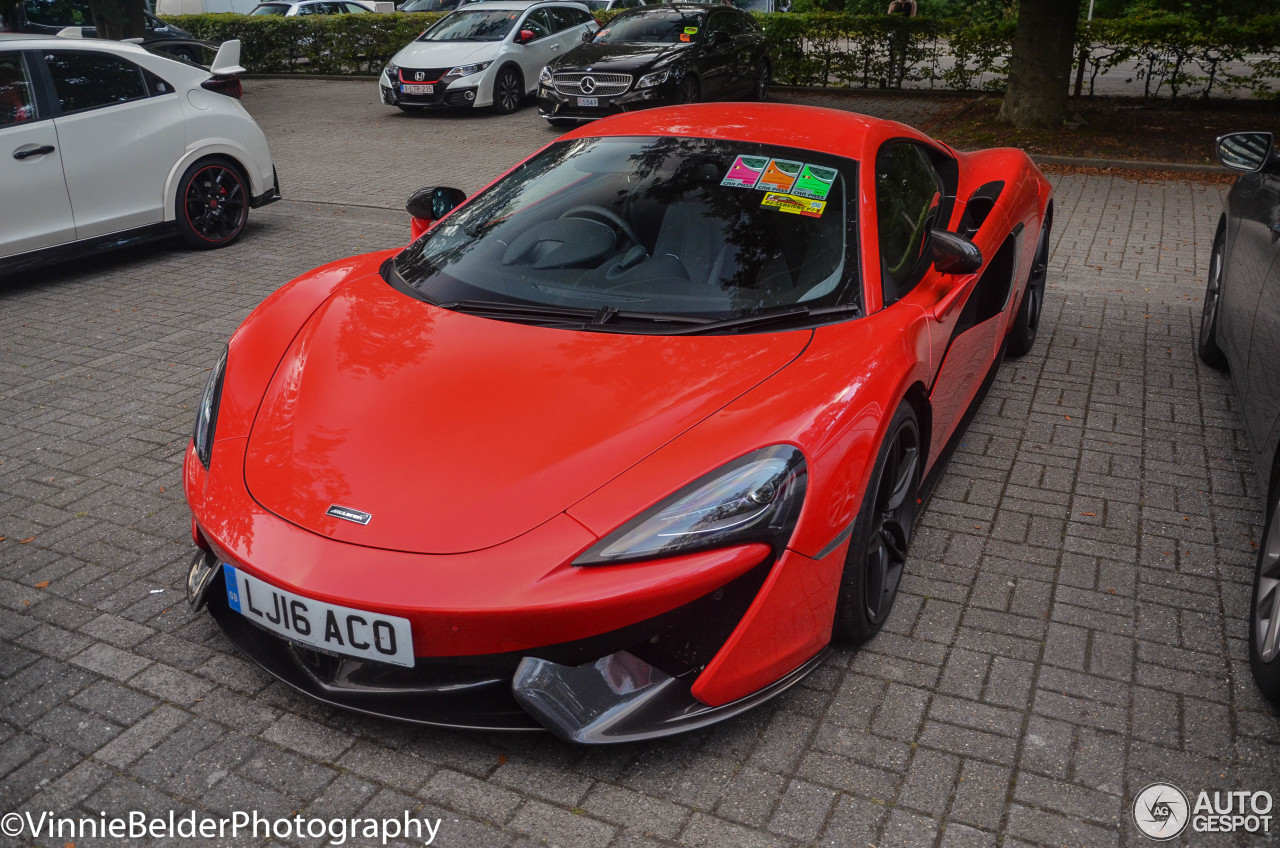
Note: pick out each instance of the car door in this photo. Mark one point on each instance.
(908, 196)
(744, 47)
(35, 210)
(534, 55)
(120, 129)
(1251, 204)
(716, 66)
(1260, 392)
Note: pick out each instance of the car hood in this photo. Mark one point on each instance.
(457, 433)
(619, 57)
(445, 54)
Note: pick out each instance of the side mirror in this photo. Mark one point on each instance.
(954, 254)
(1246, 151)
(587, 36)
(430, 204)
(524, 36)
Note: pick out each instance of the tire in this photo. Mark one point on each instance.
(763, 78)
(1264, 607)
(1023, 333)
(1207, 347)
(212, 204)
(690, 91)
(882, 531)
(508, 91)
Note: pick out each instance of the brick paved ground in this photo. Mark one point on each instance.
(1070, 630)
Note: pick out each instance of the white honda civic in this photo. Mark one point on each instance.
(484, 54)
(104, 144)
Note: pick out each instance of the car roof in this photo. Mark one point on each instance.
(786, 125)
(38, 40)
(518, 4)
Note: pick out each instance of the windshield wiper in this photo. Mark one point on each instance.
(778, 316)
(604, 318)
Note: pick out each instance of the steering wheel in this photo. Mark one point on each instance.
(608, 214)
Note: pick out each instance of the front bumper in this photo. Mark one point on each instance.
(624, 685)
(444, 97)
(553, 104)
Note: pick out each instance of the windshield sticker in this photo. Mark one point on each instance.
(795, 205)
(745, 172)
(690, 30)
(780, 175)
(815, 182)
(686, 37)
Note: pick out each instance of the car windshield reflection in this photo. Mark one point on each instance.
(687, 227)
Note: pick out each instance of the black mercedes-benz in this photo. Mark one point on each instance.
(1240, 330)
(658, 56)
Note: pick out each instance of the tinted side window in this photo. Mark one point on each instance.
(907, 195)
(715, 23)
(580, 16)
(93, 80)
(538, 23)
(17, 100)
(561, 18)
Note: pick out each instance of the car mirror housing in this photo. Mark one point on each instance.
(1246, 151)
(524, 36)
(587, 36)
(430, 204)
(953, 253)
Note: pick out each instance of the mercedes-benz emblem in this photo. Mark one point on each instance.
(587, 85)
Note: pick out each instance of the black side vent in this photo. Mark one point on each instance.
(978, 207)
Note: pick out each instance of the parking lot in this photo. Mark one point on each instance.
(1071, 628)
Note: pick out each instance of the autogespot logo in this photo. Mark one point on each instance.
(1161, 811)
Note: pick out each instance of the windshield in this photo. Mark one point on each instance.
(473, 25)
(271, 9)
(690, 227)
(653, 26)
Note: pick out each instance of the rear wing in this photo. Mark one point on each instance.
(227, 61)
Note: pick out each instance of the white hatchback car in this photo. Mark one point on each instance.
(104, 144)
(484, 54)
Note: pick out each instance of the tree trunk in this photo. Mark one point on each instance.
(117, 19)
(1040, 70)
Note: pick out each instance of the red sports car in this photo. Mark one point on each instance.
(618, 446)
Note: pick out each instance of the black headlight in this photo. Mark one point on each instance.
(755, 498)
(207, 413)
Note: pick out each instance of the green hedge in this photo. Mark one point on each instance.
(1178, 55)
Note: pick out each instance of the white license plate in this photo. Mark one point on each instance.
(339, 630)
(588, 101)
(409, 88)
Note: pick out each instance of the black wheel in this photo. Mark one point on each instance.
(1264, 611)
(763, 77)
(1210, 353)
(185, 54)
(212, 204)
(508, 91)
(689, 90)
(1023, 334)
(561, 123)
(881, 533)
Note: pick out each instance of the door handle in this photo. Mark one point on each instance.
(555, 47)
(35, 151)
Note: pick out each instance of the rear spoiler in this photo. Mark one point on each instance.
(227, 61)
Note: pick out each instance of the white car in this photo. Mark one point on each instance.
(105, 144)
(484, 54)
(312, 7)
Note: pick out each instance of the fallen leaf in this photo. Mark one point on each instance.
(43, 584)
(1090, 514)
(162, 488)
(502, 758)
(26, 540)
(1068, 417)
(1111, 590)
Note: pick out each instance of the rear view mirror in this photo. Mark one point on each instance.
(1246, 151)
(430, 204)
(524, 36)
(954, 254)
(587, 36)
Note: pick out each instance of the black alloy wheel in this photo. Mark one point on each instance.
(689, 90)
(212, 204)
(1264, 611)
(877, 553)
(763, 77)
(1027, 322)
(507, 91)
(1210, 353)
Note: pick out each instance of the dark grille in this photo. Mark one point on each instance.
(410, 75)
